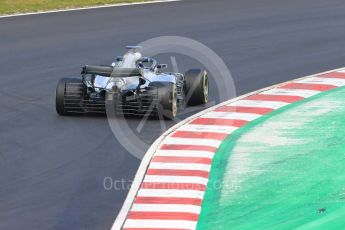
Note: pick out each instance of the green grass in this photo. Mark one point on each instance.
(24, 6)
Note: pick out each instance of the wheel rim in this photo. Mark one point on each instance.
(174, 102)
(205, 87)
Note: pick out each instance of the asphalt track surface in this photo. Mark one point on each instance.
(52, 168)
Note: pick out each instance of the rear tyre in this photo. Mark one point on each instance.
(68, 96)
(166, 100)
(196, 81)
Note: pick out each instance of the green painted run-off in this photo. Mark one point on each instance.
(285, 170)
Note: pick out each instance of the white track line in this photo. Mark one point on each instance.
(231, 115)
(322, 80)
(259, 103)
(166, 207)
(184, 153)
(180, 166)
(192, 141)
(160, 224)
(207, 128)
(88, 8)
(175, 179)
(171, 193)
(291, 92)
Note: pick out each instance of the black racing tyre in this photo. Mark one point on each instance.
(68, 96)
(196, 82)
(166, 99)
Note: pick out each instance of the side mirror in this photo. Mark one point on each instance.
(162, 66)
(142, 81)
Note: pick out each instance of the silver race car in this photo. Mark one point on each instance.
(132, 85)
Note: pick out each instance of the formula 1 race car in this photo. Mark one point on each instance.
(133, 85)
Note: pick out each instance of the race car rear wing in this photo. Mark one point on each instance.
(125, 72)
(109, 71)
(98, 70)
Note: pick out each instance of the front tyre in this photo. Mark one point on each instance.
(196, 81)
